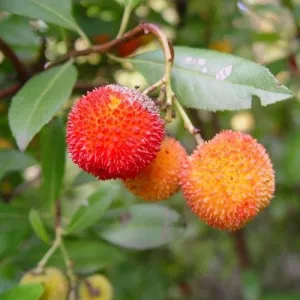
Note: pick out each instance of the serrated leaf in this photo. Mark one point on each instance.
(38, 101)
(142, 226)
(53, 11)
(12, 160)
(91, 211)
(30, 291)
(38, 226)
(53, 160)
(210, 80)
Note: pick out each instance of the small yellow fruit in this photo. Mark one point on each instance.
(160, 180)
(96, 287)
(53, 280)
(221, 46)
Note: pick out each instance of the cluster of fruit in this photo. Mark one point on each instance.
(116, 132)
(56, 287)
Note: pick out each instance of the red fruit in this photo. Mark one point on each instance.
(114, 132)
(228, 180)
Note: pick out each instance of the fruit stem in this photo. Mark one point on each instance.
(41, 264)
(125, 19)
(169, 59)
(188, 125)
(68, 264)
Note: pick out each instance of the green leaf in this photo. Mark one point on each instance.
(210, 80)
(32, 291)
(14, 229)
(285, 296)
(38, 226)
(17, 32)
(88, 255)
(250, 285)
(83, 178)
(142, 226)
(53, 11)
(53, 160)
(12, 160)
(91, 211)
(38, 101)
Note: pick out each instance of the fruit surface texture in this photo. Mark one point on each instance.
(160, 179)
(114, 132)
(228, 180)
(54, 282)
(96, 287)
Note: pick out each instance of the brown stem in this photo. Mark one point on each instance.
(16, 62)
(11, 90)
(58, 213)
(103, 48)
(242, 249)
(38, 66)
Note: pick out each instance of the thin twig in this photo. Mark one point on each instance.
(169, 59)
(16, 62)
(103, 48)
(69, 265)
(125, 19)
(242, 250)
(41, 58)
(188, 123)
(10, 91)
(41, 264)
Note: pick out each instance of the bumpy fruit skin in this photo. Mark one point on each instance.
(95, 287)
(114, 132)
(54, 282)
(228, 180)
(160, 179)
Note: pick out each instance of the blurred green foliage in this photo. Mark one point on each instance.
(200, 263)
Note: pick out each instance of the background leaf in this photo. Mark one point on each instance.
(53, 11)
(88, 255)
(83, 178)
(24, 292)
(14, 229)
(250, 285)
(53, 160)
(91, 211)
(12, 160)
(17, 32)
(211, 80)
(38, 226)
(39, 99)
(142, 226)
